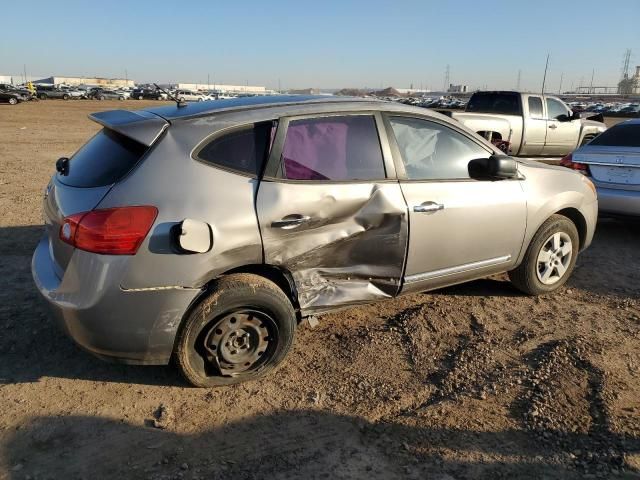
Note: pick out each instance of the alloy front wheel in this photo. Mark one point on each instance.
(549, 259)
(554, 258)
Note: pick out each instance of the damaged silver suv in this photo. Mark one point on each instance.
(205, 233)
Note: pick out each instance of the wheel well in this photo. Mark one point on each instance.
(490, 135)
(578, 220)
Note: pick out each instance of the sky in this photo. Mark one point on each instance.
(328, 44)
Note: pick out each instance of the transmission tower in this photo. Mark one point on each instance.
(624, 73)
(447, 73)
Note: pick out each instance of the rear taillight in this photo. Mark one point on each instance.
(569, 163)
(111, 231)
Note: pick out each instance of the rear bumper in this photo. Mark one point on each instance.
(618, 202)
(137, 327)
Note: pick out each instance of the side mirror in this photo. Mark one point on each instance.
(192, 236)
(575, 116)
(495, 167)
(564, 118)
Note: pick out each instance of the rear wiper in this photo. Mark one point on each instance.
(177, 100)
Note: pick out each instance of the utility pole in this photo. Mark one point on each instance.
(593, 71)
(279, 89)
(518, 82)
(544, 78)
(208, 82)
(560, 88)
(24, 66)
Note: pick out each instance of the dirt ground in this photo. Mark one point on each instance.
(474, 381)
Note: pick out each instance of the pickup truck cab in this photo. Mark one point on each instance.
(528, 124)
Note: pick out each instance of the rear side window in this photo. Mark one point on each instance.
(332, 148)
(242, 150)
(535, 107)
(104, 160)
(507, 103)
(619, 136)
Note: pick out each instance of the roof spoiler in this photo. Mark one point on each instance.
(143, 127)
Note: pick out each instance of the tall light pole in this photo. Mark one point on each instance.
(544, 78)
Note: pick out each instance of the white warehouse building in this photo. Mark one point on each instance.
(98, 81)
(218, 87)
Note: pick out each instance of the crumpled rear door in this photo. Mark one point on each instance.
(343, 242)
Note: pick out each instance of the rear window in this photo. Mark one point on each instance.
(243, 150)
(503, 103)
(104, 160)
(619, 136)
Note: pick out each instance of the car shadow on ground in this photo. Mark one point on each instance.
(285, 444)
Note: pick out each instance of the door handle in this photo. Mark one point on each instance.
(290, 221)
(428, 207)
(553, 125)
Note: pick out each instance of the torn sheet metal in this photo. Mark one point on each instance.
(350, 250)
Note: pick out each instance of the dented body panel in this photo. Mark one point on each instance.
(352, 248)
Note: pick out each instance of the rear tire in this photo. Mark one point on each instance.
(140, 97)
(43, 96)
(12, 101)
(241, 331)
(65, 97)
(550, 257)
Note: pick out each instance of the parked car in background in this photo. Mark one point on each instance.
(72, 92)
(188, 96)
(23, 93)
(148, 94)
(44, 92)
(12, 97)
(105, 94)
(528, 124)
(124, 93)
(293, 206)
(612, 161)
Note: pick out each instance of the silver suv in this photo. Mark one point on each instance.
(207, 232)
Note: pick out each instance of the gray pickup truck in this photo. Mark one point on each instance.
(528, 124)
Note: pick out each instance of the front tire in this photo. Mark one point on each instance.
(550, 257)
(13, 101)
(65, 97)
(242, 330)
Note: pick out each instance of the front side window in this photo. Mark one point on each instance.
(555, 109)
(433, 152)
(535, 107)
(332, 148)
(244, 149)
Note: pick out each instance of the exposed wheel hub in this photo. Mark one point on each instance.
(239, 341)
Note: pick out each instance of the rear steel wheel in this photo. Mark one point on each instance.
(240, 331)
(240, 341)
